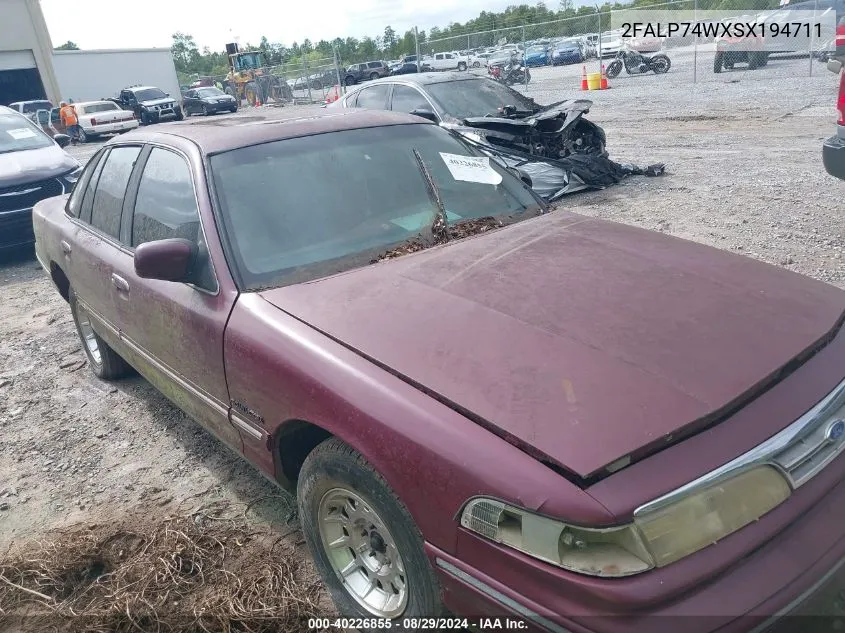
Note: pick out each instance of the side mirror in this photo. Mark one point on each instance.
(62, 139)
(425, 113)
(166, 260)
(834, 65)
(166, 94)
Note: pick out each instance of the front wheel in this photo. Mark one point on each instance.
(614, 69)
(349, 81)
(718, 62)
(105, 362)
(81, 136)
(462, 66)
(365, 544)
(476, 64)
(660, 64)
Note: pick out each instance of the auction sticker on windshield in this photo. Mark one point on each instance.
(471, 168)
(20, 133)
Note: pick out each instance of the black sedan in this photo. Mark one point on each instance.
(404, 69)
(208, 100)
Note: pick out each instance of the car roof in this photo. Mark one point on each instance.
(425, 79)
(216, 135)
(95, 102)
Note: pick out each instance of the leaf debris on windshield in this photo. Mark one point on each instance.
(454, 231)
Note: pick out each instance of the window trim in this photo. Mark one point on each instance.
(387, 96)
(129, 208)
(82, 183)
(393, 86)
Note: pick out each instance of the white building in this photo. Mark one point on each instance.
(31, 69)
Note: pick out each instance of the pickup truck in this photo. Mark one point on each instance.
(149, 104)
(446, 61)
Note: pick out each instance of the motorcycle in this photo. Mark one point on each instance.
(510, 73)
(637, 64)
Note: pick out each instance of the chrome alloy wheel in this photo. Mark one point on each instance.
(363, 553)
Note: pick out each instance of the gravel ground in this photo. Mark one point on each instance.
(743, 151)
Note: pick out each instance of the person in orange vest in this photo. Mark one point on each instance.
(67, 115)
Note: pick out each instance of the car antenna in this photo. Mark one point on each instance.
(440, 227)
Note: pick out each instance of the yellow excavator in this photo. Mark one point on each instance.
(249, 78)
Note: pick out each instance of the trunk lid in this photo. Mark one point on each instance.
(579, 340)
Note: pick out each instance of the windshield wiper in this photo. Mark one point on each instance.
(440, 226)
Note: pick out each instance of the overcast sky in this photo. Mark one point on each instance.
(118, 24)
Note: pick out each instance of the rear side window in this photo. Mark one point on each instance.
(375, 64)
(111, 189)
(165, 206)
(85, 184)
(407, 99)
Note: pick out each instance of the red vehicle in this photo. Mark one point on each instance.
(484, 404)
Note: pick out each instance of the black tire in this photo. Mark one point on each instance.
(233, 110)
(179, 115)
(718, 62)
(660, 64)
(462, 66)
(145, 118)
(110, 365)
(613, 69)
(476, 64)
(82, 137)
(373, 76)
(753, 61)
(185, 112)
(349, 81)
(204, 110)
(334, 465)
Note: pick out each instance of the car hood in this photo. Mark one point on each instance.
(19, 168)
(548, 119)
(155, 102)
(581, 341)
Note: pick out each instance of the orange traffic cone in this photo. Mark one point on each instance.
(584, 85)
(334, 94)
(603, 85)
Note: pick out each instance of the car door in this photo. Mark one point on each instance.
(189, 101)
(92, 246)
(173, 332)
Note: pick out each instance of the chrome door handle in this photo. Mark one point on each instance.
(65, 247)
(120, 283)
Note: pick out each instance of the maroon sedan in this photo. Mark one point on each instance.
(486, 406)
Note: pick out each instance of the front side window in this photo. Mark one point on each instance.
(374, 97)
(285, 225)
(407, 99)
(111, 189)
(165, 206)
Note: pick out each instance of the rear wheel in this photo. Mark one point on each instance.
(462, 66)
(753, 61)
(82, 137)
(718, 61)
(373, 76)
(364, 542)
(660, 64)
(105, 362)
(476, 64)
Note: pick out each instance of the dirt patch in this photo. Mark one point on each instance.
(694, 117)
(206, 570)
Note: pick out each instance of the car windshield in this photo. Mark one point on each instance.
(286, 225)
(99, 107)
(148, 94)
(210, 92)
(18, 133)
(477, 97)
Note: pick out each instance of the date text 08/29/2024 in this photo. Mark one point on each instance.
(421, 624)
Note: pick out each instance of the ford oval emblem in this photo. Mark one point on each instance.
(835, 431)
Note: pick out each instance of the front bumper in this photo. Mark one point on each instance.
(833, 156)
(165, 114)
(16, 229)
(799, 566)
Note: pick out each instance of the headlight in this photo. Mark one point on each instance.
(659, 535)
(704, 517)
